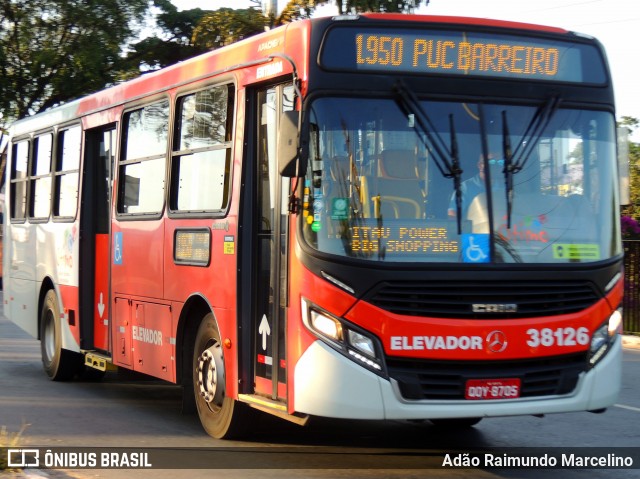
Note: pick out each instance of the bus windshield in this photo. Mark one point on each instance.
(474, 183)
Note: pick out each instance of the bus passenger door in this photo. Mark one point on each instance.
(94, 229)
(272, 248)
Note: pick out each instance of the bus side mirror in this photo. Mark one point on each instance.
(291, 162)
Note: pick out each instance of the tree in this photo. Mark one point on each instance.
(54, 50)
(633, 209)
(226, 25)
(295, 10)
(361, 6)
(172, 44)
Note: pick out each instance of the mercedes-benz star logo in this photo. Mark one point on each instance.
(497, 341)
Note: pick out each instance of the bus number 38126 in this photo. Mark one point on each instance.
(548, 337)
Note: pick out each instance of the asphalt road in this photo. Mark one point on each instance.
(143, 415)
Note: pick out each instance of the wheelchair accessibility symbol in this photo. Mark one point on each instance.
(117, 248)
(475, 248)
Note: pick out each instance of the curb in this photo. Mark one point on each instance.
(631, 342)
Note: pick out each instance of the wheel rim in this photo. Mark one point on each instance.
(49, 339)
(211, 376)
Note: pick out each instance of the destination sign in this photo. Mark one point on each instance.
(403, 239)
(461, 53)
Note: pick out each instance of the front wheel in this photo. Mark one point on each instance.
(221, 416)
(59, 364)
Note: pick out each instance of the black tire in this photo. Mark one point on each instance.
(59, 364)
(456, 423)
(222, 417)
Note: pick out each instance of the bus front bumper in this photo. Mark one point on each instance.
(329, 384)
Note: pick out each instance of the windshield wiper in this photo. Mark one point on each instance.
(514, 162)
(456, 172)
(509, 168)
(533, 133)
(447, 162)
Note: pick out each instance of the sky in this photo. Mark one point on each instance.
(613, 22)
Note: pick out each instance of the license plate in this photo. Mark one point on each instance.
(479, 389)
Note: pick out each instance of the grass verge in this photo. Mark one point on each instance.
(8, 440)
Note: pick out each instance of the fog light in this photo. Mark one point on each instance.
(599, 343)
(362, 343)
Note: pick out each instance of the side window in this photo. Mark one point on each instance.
(142, 166)
(40, 206)
(201, 159)
(19, 177)
(67, 173)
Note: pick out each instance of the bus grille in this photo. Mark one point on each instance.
(455, 299)
(445, 380)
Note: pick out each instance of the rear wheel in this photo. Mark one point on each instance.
(221, 416)
(59, 364)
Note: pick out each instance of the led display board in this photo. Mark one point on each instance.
(457, 53)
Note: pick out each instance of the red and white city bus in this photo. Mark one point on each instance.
(371, 217)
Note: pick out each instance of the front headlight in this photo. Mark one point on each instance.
(605, 336)
(325, 325)
(344, 337)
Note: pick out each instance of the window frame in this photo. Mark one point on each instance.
(228, 146)
(14, 181)
(35, 177)
(123, 161)
(59, 173)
